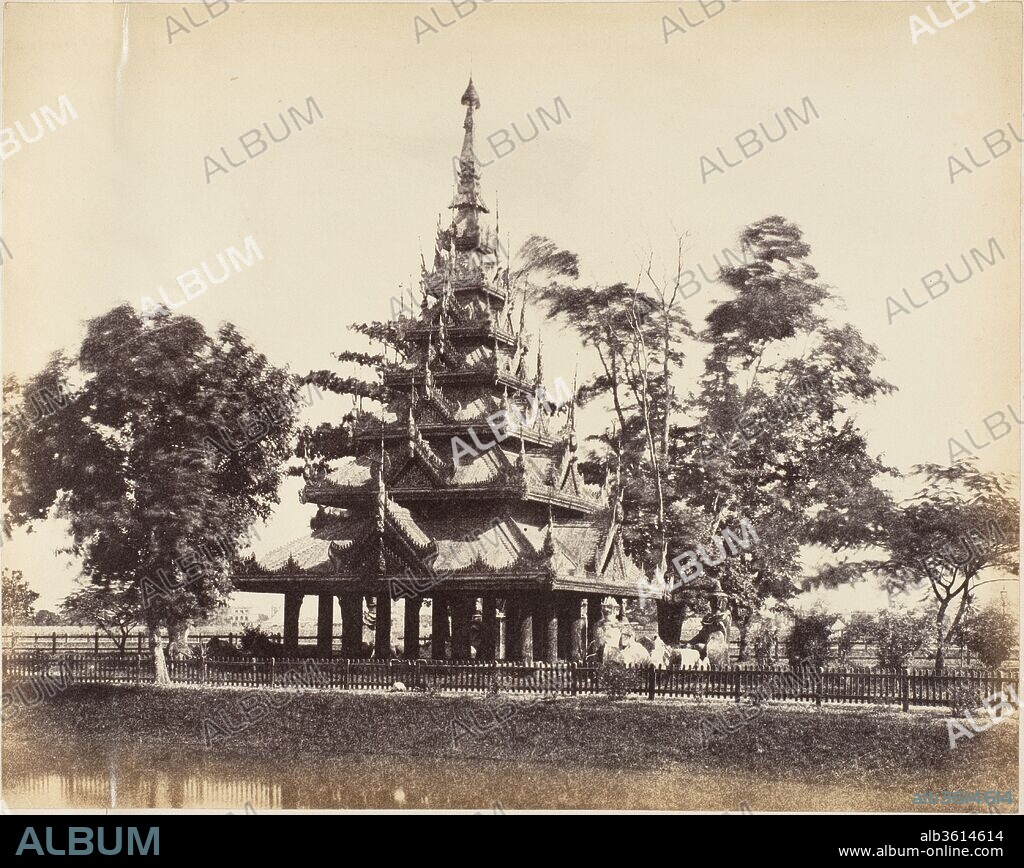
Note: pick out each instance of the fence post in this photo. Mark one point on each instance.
(905, 689)
(820, 678)
(139, 637)
(273, 671)
(255, 674)
(202, 669)
(138, 669)
(54, 643)
(573, 676)
(96, 642)
(651, 681)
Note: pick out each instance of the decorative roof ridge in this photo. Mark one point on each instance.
(396, 522)
(611, 536)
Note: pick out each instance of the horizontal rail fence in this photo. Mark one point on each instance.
(866, 686)
(65, 638)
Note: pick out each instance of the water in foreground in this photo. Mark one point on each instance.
(152, 779)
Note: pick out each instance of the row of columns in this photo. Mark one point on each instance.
(538, 625)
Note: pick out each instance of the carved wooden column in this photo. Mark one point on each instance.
(351, 624)
(382, 633)
(525, 630)
(463, 609)
(411, 639)
(324, 625)
(571, 627)
(577, 632)
(488, 649)
(593, 616)
(549, 609)
(292, 605)
(438, 626)
(511, 628)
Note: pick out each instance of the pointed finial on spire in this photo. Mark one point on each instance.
(470, 98)
(540, 362)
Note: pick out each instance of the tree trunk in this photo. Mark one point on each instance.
(940, 638)
(744, 627)
(159, 645)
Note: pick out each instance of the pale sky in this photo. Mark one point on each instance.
(116, 203)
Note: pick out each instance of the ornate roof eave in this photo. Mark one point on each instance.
(467, 376)
(327, 494)
(498, 582)
(479, 329)
(397, 431)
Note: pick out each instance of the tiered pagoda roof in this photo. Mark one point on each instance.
(510, 513)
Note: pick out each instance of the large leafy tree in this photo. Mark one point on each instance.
(769, 435)
(776, 441)
(637, 331)
(169, 444)
(115, 611)
(17, 597)
(957, 533)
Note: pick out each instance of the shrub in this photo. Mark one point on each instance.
(808, 640)
(964, 698)
(990, 635)
(255, 643)
(617, 680)
(895, 636)
(766, 645)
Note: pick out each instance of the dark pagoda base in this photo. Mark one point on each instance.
(525, 626)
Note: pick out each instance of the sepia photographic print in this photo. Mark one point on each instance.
(498, 407)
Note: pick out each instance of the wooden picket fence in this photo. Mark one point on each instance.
(82, 640)
(866, 686)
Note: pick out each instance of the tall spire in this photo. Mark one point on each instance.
(467, 202)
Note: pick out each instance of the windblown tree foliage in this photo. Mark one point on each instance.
(776, 440)
(637, 333)
(170, 445)
(961, 525)
(769, 436)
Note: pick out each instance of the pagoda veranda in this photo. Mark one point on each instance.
(464, 494)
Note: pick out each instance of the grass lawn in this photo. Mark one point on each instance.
(805, 758)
